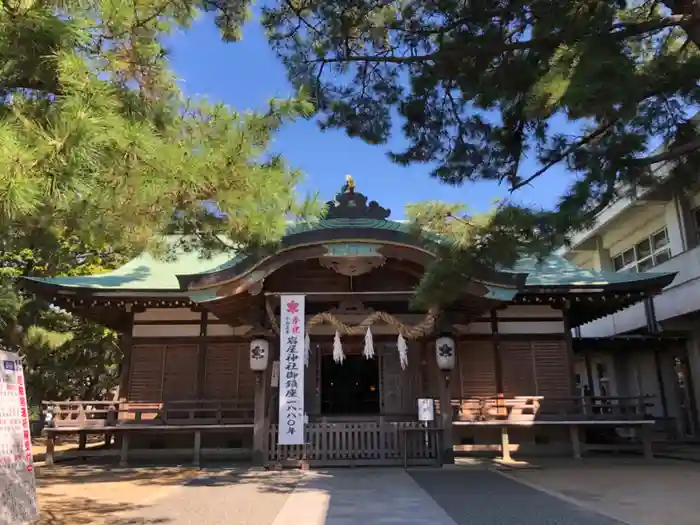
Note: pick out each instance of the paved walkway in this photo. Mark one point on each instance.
(362, 497)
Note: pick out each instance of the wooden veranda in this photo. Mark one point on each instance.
(386, 440)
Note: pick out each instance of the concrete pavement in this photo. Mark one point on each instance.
(362, 497)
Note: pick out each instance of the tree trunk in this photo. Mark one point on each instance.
(688, 7)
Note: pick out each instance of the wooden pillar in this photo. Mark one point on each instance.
(566, 307)
(505, 445)
(197, 451)
(259, 452)
(202, 354)
(448, 455)
(497, 357)
(575, 435)
(646, 431)
(50, 449)
(125, 343)
(660, 380)
(124, 454)
(650, 314)
(589, 373)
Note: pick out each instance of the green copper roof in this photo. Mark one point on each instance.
(331, 224)
(557, 271)
(145, 272)
(148, 273)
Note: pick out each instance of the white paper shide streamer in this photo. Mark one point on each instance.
(338, 355)
(368, 352)
(307, 348)
(403, 351)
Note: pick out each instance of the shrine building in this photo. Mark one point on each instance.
(200, 338)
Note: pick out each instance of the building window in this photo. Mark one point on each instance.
(648, 253)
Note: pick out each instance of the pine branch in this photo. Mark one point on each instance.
(671, 154)
(619, 31)
(597, 133)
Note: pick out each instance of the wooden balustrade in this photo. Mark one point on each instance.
(95, 414)
(368, 443)
(543, 408)
(86, 414)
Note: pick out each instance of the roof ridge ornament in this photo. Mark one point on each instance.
(349, 204)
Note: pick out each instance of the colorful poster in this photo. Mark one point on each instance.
(291, 393)
(17, 484)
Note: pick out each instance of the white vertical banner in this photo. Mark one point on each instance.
(17, 484)
(291, 386)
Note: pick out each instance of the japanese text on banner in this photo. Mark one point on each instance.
(291, 394)
(17, 485)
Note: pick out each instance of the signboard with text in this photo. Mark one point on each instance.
(17, 484)
(291, 376)
(426, 409)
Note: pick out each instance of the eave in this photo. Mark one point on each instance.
(630, 342)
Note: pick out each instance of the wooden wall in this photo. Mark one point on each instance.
(535, 367)
(172, 359)
(162, 372)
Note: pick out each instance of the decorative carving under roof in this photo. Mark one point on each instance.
(351, 306)
(349, 204)
(351, 266)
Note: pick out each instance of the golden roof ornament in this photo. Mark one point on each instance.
(349, 184)
(349, 204)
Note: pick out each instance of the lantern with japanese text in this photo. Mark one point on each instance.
(259, 354)
(445, 353)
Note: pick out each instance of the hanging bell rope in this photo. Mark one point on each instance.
(408, 331)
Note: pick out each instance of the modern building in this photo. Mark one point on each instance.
(653, 231)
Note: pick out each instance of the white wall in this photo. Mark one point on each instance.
(680, 298)
(645, 220)
(167, 314)
(190, 326)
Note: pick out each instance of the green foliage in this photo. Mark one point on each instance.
(95, 134)
(476, 85)
(467, 245)
(100, 154)
(64, 355)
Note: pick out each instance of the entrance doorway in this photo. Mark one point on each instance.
(351, 388)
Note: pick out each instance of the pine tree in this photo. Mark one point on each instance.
(100, 154)
(64, 355)
(477, 86)
(97, 140)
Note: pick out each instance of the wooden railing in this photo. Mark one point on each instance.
(85, 414)
(541, 408)
(368, 443)
(95, 414)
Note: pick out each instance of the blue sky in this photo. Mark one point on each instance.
(247, 74)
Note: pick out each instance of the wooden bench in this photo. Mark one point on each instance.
(125, 419)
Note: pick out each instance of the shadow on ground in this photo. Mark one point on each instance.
(89, 473)
(59, 510)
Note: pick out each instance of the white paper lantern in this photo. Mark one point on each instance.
(445, 353)
(259, 354)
